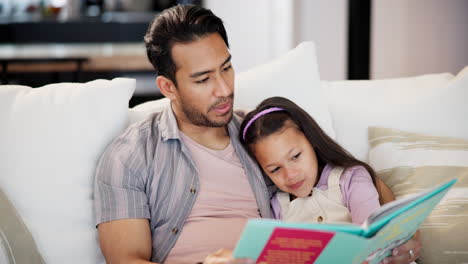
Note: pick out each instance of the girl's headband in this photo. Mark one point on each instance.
(258, 115)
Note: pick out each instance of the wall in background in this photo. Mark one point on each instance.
(419, 36)
(263, 29)
(407, 37)
(326, 23)
(258, 30)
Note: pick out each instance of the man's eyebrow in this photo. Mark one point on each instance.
(198, 74)
(227, 60)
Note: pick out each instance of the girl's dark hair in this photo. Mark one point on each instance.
(326, 149)
(178, 24)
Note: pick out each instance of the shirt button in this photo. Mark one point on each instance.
(193, 190)
(320, 219)
(175, 230)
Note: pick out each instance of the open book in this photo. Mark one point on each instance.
(273, 241)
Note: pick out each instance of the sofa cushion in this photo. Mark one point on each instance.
(410, 104)
(411, 162)
(52, 138)
(16, 242)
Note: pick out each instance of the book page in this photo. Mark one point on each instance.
(396, 205)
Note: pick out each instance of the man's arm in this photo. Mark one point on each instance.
(126, 241)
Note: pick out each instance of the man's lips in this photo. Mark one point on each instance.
(297, 185)
(223, 108)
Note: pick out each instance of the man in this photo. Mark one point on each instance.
(179, 185)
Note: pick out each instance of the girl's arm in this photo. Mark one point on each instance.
(400, 254)
(360, 195)
(385, 194)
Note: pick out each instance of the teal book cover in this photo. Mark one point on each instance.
(273, 241)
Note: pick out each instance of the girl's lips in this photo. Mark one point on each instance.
(223, 109)
(297, 185)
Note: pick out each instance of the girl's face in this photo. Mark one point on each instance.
(288, 159)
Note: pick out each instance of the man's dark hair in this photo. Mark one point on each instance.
(178, 24)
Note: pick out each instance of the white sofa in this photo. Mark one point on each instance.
(52, 137)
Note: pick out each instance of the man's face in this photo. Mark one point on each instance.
(205, 82)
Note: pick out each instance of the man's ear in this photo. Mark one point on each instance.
(167, 87)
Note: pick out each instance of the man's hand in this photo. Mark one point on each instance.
(224, 256)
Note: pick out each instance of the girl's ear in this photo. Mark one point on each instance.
(167, 87)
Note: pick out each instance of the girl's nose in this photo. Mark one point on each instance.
(291, 174)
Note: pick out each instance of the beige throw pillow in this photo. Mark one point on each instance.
(411, 162)
(16, 242)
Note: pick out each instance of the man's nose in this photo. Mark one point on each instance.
(222, 88)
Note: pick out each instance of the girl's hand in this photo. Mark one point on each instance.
(407, 252)
(224, 256)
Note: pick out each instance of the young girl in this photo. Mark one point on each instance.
(317, 179)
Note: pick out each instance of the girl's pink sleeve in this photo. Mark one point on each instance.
(359, 193)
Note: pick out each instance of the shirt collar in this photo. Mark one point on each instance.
(168, 124)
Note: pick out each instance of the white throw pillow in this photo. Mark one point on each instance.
(433, 104)
(293, 75)
(141, 111)
(51, 139)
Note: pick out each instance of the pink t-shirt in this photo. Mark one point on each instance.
(357, 188)
(224, 203)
